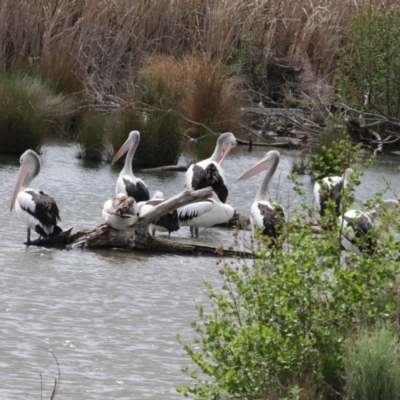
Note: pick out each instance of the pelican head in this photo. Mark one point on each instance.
(270, 160)
(158, 195)
(29, 169)
(225, 143)
(131, 143)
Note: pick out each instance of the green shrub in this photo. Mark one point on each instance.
(280, 322)
(332, 153)
(372, 365)
(369, 62)
(28, 107)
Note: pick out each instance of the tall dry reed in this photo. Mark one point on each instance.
(97, 47)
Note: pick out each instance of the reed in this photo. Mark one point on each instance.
(28, 109)
(91, 137)
(197, 89)
(372, 365)
(98, 47)
(160, 141)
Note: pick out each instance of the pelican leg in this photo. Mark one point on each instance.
(196, 232)
(169, 235)
(153, 232)
(30, 242)
(191, 231)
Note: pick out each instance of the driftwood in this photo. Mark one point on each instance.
(138, 236)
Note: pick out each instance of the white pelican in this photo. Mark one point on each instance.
(209, 172)
(166, 223)
(204, 214)
(264, 214)
(36, 209)
(127, 182)
(356, 228)
(120, 212)
(330, 188)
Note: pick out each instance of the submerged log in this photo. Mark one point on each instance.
(138, 237)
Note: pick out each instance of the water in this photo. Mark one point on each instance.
(111, 317)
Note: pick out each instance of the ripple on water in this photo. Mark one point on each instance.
(111, 316)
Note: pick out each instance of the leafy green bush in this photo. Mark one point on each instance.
(333, 153)
(369, 62)
(279, 322)
(372, 365)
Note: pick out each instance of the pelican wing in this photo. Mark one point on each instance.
(44, 207)
(194, 210)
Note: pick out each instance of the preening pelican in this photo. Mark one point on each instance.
(120, 212)
(36, 209)
(356, 226)
(204, 214)
(209, 172)
(264, 214)
(127, 182)
(166, 223)
(330, 188)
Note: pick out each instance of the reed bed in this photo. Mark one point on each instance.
(211, 56)
(97, 47)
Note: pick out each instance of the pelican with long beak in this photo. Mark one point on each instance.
(265, 215)
(36, 209)
(127, 183)
(209, 172)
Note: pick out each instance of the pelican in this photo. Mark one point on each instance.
(120, 212)
(36, 209)
(264, 214)
(127, 182)
(330, 188)
(166, 223)
(204, 214)
(209, 172)
(356, 225)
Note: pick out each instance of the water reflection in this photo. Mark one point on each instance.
(111, 316)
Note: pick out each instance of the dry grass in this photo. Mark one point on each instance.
(97, 47)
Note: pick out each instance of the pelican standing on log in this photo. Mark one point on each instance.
(209, 172)
(166, 223)
(36, 209)
(264, 214)
(127, 182)
(120, 212)
(330, 188)
(204, 214)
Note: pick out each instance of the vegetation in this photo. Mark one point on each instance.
(219, 57)
(29, 110)
(369, 64)
(279, 328)
(372, 365)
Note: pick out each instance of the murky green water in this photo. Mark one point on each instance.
(111, 317)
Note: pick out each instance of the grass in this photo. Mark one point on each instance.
(91, 137)
(160, 141)
(28, 109)
(372, 365)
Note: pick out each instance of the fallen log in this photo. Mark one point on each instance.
(138, 237)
